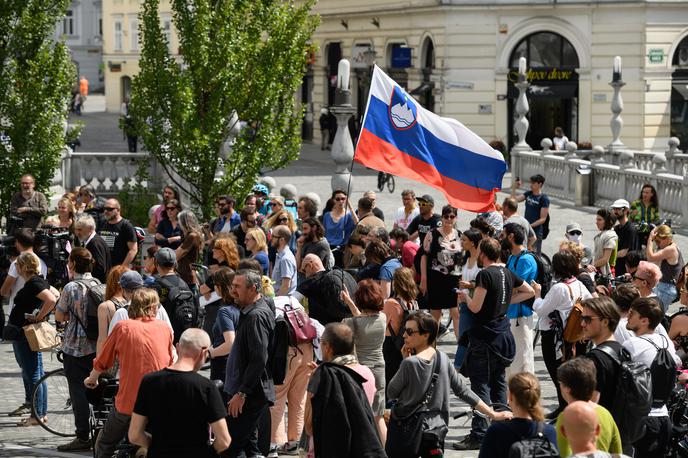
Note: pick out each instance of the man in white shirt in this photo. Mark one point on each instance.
(643, 319)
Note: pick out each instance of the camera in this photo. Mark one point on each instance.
(51, 246)
(8, 250)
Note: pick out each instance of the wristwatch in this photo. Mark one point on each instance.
(241, 395)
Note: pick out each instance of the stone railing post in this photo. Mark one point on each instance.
(617, 106)
(597, 154)
(521, 125)
(571, 147)
(673, 150)
(342, 146)
(546, 144)
(659, 162)
(625, 160)
(684, 202)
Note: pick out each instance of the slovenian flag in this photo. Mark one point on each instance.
(402, 138)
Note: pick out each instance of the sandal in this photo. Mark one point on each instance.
(32, 421)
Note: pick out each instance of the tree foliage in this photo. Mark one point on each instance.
(36, 75)
(237, 56)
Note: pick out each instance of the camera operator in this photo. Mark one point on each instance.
(28, 205)
(89, 239)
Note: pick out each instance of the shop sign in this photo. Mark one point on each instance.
(401, 57)
(656, 56)
(545, 74)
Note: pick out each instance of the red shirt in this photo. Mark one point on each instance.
(142, 345)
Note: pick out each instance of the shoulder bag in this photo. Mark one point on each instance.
(422, 428)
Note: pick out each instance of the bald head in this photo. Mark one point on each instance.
(311, 265)
(580, 425)
(192, 342)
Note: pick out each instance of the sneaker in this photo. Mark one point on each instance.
(273, 451)
(21, 410)
(469, 442)
(75, 446)
(289, 448)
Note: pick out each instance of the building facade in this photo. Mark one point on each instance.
(121, 47)
(459, 58)
(81, 30)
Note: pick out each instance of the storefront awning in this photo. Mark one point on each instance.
(681, 87)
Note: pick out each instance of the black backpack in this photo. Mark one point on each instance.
(534, 447)
(278, 360)
(398, 339)
(663, 370)
(545, 227)
(544, 273)
(633, 398)
(181, 301)
(95, 295)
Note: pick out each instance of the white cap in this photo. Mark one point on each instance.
(621, 203)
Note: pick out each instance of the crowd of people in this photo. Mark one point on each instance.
(320, 326)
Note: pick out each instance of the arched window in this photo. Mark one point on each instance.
(681, 55)
(545, 49)
(428, 54)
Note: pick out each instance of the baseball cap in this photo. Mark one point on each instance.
(573, 227)
(166, 257)
(131, 280)
(427, 198)
(621, 203)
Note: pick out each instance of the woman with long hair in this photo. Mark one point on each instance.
(226, 322)
(524, 399)
(114, 300)
(368, 324)
(469, 272)
(35, 299)
(440, 267)
(187, 253)
(339, 222)
(396, 308)
(554, 310)
(670, 261)
(168, 233)
(257, 245)
(408, 387)
(65, 216)
(645, 211)
(224, 250)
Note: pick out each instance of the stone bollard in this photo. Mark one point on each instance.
(597, 154)
(571, 147)
(659, 162)
(546, 144)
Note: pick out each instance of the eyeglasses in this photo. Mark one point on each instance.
(575, 233)
(449, 216)
(410, 332)
(587, 319)
(109, 209)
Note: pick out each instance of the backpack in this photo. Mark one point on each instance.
(544, 273)
(633, 398)
(533, 447)
(398, 339)
(183, 306)
(278, 360)
(573, 331)
(663, 370)
(95, 295)
(545, 227)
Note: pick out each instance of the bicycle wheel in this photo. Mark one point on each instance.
(390, 183)
(60, 416)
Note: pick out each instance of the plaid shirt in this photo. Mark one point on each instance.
(73, 300)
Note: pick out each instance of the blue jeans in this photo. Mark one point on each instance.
(31, 363)
(666, 293)
(489, 383)
(465, 323)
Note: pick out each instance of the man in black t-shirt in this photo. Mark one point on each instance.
(599, 320)
(323, 289)
(119, 234)
(628, 235)
(492, 345)
(426, 221)
(174, 406)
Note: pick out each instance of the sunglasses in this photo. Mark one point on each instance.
(587, 319)
(575, 233)
(282, 220)
(109, 209)
(424, 204)
(273, 204)
(449, 216)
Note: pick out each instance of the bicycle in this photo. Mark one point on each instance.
(385, 178)
(60, 417)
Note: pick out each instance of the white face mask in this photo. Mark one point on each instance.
(575, 238)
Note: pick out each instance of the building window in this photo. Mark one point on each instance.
(545, 50)
(99, 22)
(134, 35)
(68, 23)
(118, 35)
(167, 32)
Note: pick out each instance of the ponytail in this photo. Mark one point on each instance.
(525, 389)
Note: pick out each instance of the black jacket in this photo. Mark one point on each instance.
(248, 370)
(343, 423)
(101, 257)
(323, 291)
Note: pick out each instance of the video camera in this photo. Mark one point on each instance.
(51, 246)
(647, 227)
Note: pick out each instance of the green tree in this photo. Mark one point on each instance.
(36, 75)
(240, 59)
